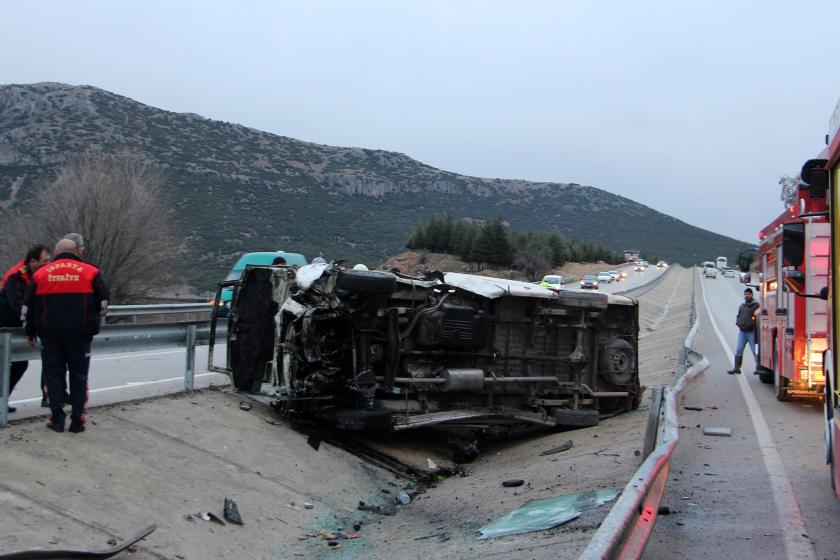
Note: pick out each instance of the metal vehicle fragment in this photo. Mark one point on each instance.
(63, 554)
(366, 350)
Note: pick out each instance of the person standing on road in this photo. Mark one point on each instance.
(62, 306)
(12, 289)
(745, 321)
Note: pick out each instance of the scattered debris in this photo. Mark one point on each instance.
(544, 514)
(189, 518)
(381, 510)
(513, 483)
(112, 542)
(717, 431)
(565, 446)
(327, 535)
(210, 516)
(696, 408)
(314, 441)
(637, 453)
(231, 512)
(347, 535)
(663, 510)
(402, 498)
(212, 387)
(308, 505)
(293, 506)
(432, 466)
(245, 405)
(703, 445)
(334, 545)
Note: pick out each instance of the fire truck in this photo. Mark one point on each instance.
(793, 260)
(825, 174)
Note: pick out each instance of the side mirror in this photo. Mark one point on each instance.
(793, 244)
(824, 293)
(745, 277)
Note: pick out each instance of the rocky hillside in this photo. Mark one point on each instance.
(237, 189)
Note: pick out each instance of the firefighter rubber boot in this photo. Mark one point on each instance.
(737, 368)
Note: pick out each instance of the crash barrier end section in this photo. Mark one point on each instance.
(625, 531)
(652, 427)
(112, 339)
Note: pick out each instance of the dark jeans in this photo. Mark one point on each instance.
(16, 371)
(58, 355)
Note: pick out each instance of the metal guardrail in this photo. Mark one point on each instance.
(638, 291)
(160, 309)
(118, 339)
(625, 531)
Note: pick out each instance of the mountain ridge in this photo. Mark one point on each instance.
(235, 188)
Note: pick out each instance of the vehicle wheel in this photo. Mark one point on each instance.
(765, 376)
(372, 282)
(780, 385)
(580, 418)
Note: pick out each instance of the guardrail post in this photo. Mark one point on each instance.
(5, 366)
(189, 374)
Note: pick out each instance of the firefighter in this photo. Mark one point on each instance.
(63, 305)
(12, 289)
(745, 321)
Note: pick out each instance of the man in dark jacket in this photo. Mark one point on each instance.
(63, 306)
(12, 289)
(745, 320)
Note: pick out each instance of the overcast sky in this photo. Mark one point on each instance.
(692, 108)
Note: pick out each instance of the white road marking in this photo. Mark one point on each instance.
(791, 521)
(129, 385)
(132, 355)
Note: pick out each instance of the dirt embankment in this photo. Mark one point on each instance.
(417, 263)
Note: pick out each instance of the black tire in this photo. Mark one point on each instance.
(371, 282)
(780, 387)
(765, 376)
(580, 418)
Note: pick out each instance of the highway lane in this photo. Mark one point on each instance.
(633, 279)
(121, 377)
(756, 494)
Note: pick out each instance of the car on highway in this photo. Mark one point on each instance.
(639, 267)
(709, 269)
(661, 264)
(623, 274)
(589, 282)
(604, 277)
(552, 281)
(616, 275)
(729, 273)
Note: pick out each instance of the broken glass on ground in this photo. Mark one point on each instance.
(539, 515)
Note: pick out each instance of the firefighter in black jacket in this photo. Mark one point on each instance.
(63, 305)
(12, 289)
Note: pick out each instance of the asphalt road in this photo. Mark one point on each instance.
(763, 493)
(633, 280)
(121, 377)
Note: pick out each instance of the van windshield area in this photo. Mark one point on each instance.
(234, 275)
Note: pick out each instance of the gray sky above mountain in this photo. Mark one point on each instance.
(693, 108)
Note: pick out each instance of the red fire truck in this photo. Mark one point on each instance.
(825, 173)
(793, 259)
